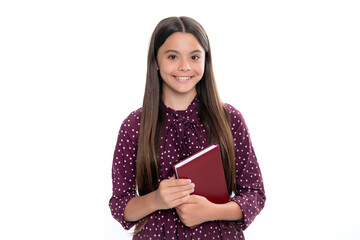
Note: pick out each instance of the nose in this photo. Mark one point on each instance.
(184, 65)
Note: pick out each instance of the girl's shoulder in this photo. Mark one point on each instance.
(235, 115)
(133, 117)
(131, 123)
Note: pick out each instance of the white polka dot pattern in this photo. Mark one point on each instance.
(182, 136)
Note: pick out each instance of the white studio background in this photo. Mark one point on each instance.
(71, 71)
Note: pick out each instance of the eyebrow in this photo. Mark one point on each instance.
(174, 51)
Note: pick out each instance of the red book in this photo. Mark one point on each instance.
(205, 170)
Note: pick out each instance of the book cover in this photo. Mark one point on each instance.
(205, 170)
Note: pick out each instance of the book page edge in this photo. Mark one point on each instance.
(194, 156)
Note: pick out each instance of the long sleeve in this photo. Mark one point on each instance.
(250, 193)
(183, 135)
(123, 168)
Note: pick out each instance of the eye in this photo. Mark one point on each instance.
(195, 57)
(172, 57)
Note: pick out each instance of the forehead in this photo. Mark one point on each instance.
(182, 42)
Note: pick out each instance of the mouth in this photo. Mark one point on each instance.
(182, 79)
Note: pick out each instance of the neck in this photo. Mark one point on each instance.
(178, 102)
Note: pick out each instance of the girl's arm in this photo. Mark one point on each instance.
(230, 211)
(198, 210)
(249, 194)
(171, 193)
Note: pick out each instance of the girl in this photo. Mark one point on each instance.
(182, 114)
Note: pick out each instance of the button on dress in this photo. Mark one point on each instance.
(184, 135)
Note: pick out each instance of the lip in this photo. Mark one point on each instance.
(183, 79)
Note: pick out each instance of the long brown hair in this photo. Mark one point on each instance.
(212, 112)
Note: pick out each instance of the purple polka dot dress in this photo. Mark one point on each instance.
(184, 135)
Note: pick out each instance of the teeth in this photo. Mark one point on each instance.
(183, 78)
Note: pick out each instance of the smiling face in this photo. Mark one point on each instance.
(181, 62)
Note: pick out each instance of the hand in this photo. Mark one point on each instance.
(172, 192)
(195, 211)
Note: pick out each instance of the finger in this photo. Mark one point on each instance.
(181, 194)
(180, 201)
(178, 182)
(175, 182)
(193, 199)
(176, 196)
(183, 188)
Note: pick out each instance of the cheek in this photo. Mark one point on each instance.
(165, 72)
(166, 69)
(199, 68)
(164, 75)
